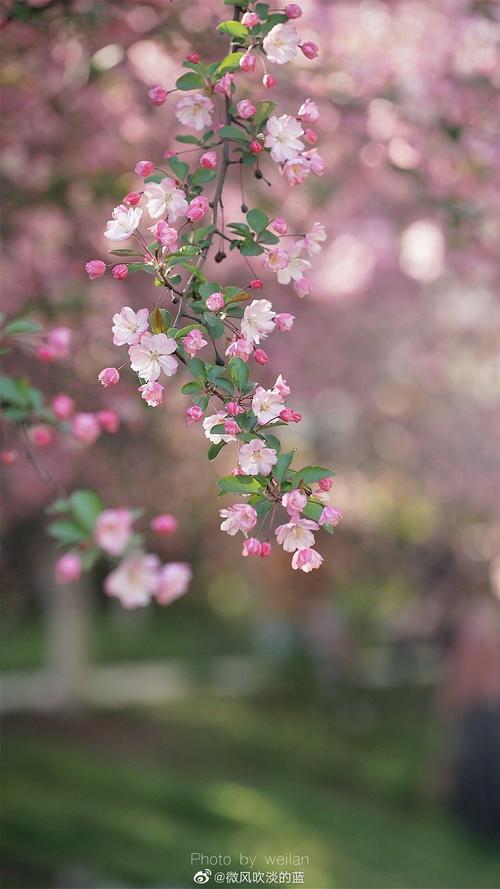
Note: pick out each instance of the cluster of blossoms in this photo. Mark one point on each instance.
(139, 577)
(205, 317)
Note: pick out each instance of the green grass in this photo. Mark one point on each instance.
(128, 796)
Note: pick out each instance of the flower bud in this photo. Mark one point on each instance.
(231, 427)
(193, 57)
(248, 62)
(132, 198)
(59, 339)
(157, 95)
(245, 109)
(109, 421)
(256, 284)
(255, 147)
(250, 19)
(293, 11)
(168, 154)
(308, 111)
(120, 271)
(234, 409)
(284, 321)
(330, 516)
(251, 547)
(215, 301)
(43, 436)
(310, 49)
(260, 356)
(310, 136)
(208, 160)
(63, 406)
(289, 416)
(193, 414)
(109, 377)
(68, 568)
(326, 483)
(45, 353)
(9, 456)
(265, 550)
(144, 168)
(269, 81)
(164, 524)
(95, 268)
(279, 226)
(85, 428)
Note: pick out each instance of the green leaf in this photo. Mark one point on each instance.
(257, 220)
(239, 484)
(67, 532)
(124, 251)
(203, 232)
(313, 510)
(231, 132)
(215, 449)
(235, 29)
(310, 474)
(272, 441)
(239, 372)
(57, 506)
(85, 506)
(205, 290)
(158, 322)
(189, 388)
(197, 367)
(281, 468)
(90, 557)
(276, 19)
(190, 81)
(230, 62)
(226, 385)
(14, 391)
(141, 267)
(21, 325)
(201, 176)
(188, 140)
(180, 168)
(264, 110)
(267, 237)
(250, 248)
(187, 329)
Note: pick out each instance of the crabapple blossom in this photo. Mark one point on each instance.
(240, 348)
(193, 57)
(293, 11)
(144, 168)
(295, 267)
(193, 342)
(302, 286)
(109, 421)
(123, 223)
(325, 484)
(68, 568)
(309, 111)
(234, 409)
(260, 356)
(197, 208)
(281, 44)
(59, 340)
(269, 81)
(195, 111)
(296, 534)
(316, 162)
(314, 238)
(208, 160)
(157, 95)
(132, 198)
(276, 258)
(41, 435)
(250, 19)
(266, 404)
(128, 326)
(258, 320)
(296, 170)
(165, 235)
(245, 109)
(310, 49)
(110, 376)
(255, 146)
(173, 581)
(63, 406)
(193, 414)
(266, 550)
(165, 198)
(255, 459)
(85, 428)
(330, 516)
(306, 560)
(251, 547)
(119, 272)
(95, 268)
(248, 62)
(294, 501)
(165, 523)
(231, 427)
(284, 321)
(281, 386)
(152, 355)
(113, 529)
(216, 420)
(279, 226)
(283, 137)
(310, 136)
(224, 85)
(290, 416)
(215, 301)
(240, 517)
(256, 284)
(45, 353)
(134, 581)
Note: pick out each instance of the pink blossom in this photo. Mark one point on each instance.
(255, 147)
(144, 168)
(109, 421)
(173, 582)
(251, 547)
(306, 560)
(295, 267)
(157, 95)
(234, 409)
(316, 162)
(240, 348)
(208, 160)
(216, 420)
(193, 342)
(280, 44)
(250, 19)
(224, 85)
(132, 198)
(41, 435)
(231, 427)
(256, 284)
(152, 393)
(59, 340)
(255, 459)
(302, 286)
(215, 301)
(248, 62)
(113, 529)
(283, 137)
(110, 376)
(45, 353)
(326, 483)
(165, 523)
(265, 550)
(123, 223)
(128, 326)
(293, 11)
(284, 321)
(266, 404)
(152, 355)
(296, 170)
(313, 239)
(294, 501)
(269, 81)
(134, 581)
(240, 517)
(68, 568)
(260, 356)
(9, 457)
(165, 198)
(63, 406)
(310, 136)
(289, 416)
(245, 109)
(308, 111)
(258, 320)
(330, 516)
(281, 386)
(193, 414)
(120, 271)
(193, 57)
(197, 208)
(275, 259)
(279, 226)
(165, 235)
(95, 268)
(310, 49)
(296, 534)
(85, 428)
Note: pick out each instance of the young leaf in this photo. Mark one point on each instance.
(231, 132)
(201, 176)
(239, 372)
(180, 168)
(66, 532)
(239, 484)
(190, 81)
(85, 506)
(189, 388)
(229, 63)
(257, 220)
(281, 467)
(310, 474)
(215, 449)
(188, 140)
(21, 325)
(197, 367)
(235, 29)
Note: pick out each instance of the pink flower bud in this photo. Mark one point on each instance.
(224, 85)
(231, 427)
(168, 154)
(246, 109)
(308, 111)
(157, 95)
(95, 268)
(62, 406)
(269, 81)
(289, 416)
(68, 568)
(120, 271)
(265, 550)
(144, 168)
(248, 62)
(306, 560)
(302, 286)
(310, 136)
(9, 457)
(193, 414)
(109, 421)
(164, 524)
(152, 393)
(293, 11)
(251, 547)
(310, 49)
(234, 409)
(215, 301)
(132, 198)
(193, 57)
(45, 353)
(250, 19)
(165, 235)
(43, 436)
(284, 321)
(59, 339)
(85, 428)
(256, 284)
(260, 356)
(197, 208)
(255, 147)
(330, 516)
(208, 160)
(109, 377)
(279, 226)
